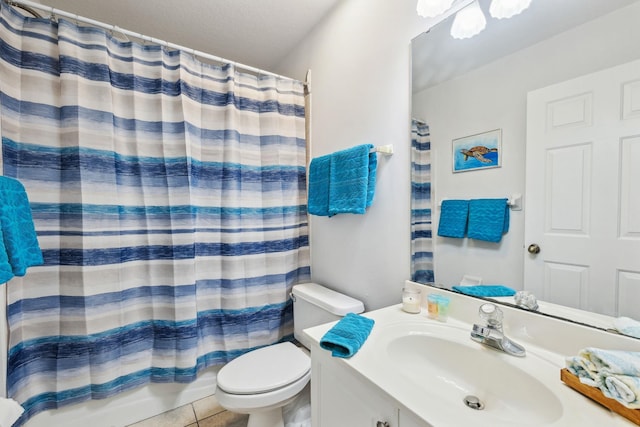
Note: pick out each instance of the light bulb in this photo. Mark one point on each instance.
(433, 8)
(507, 8)
(468, 22)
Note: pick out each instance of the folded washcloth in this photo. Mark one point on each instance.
(488, 219)
(615, 372)
(627, 326)
(454, 215)
(623, 388)
(613, 361)
(319, 172)
(347, 336)
(10, 411)
(352, 180)
(18, 232)
(485, 290)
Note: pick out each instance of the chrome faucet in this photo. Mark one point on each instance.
(491, 334)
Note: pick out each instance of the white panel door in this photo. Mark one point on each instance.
(582, 206)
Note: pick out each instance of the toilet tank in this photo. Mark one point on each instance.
(315, 304)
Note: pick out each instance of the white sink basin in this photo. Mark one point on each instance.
(449, 366)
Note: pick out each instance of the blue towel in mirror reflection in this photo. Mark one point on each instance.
(480, 219)
(485, 290)
(454, 215)
(342, 182)
(346, 337)
(488, 219)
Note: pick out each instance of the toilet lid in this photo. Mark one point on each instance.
(265, 369)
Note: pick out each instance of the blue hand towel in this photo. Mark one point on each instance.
(352, 180)
(347, 336)
(20, 248)
(488, 219)
(485, 290)
(453, 218)
(319, 172)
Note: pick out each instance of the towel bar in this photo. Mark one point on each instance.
(387, 150)
(514, 202)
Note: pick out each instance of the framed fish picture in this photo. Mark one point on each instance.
(480, 151)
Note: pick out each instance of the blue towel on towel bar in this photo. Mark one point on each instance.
(486, 290)
(488, 219)
(319, 172)
(352, 180)
(19, 248)
(342, 182)
(346, 337)
(453, 218)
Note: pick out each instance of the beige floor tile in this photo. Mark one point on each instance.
(193, 425)
(207, 407)
(225, 419)
(179, 417)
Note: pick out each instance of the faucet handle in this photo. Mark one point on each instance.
(491, 314)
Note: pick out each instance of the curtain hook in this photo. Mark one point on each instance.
(116, 29)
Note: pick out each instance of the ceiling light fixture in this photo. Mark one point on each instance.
(433, 8)
(468, 22)
(507, 8)
(470, 19)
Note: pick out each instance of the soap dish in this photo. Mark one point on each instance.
(594, 393)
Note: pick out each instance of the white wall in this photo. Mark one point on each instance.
(494, 97)
(359, 57)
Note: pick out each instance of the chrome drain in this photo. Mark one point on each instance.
(473, 402)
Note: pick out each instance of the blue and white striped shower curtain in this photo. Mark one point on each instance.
(169, 198)
(421, 238)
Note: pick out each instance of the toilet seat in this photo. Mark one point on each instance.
(264, 370)
(247, 403)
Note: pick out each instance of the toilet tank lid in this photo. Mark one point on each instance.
(330, 300)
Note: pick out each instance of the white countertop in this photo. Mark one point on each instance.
(421, 399)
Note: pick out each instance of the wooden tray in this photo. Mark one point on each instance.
(594, 393)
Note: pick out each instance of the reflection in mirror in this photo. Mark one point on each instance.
(421, 241)
(468, 87)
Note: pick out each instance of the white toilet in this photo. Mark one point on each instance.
(262, 381)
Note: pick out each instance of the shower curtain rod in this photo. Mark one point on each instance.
(57, 12)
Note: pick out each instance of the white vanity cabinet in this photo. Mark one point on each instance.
(340, 397)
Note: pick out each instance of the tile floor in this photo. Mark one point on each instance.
(201, 413)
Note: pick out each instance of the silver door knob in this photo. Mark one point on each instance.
(533, 249)
(382, 424)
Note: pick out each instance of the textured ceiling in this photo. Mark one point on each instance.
(258, 33)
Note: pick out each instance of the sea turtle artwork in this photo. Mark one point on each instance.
(478, 153)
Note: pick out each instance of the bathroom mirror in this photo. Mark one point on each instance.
(548, 43)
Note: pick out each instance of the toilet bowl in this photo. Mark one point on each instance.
(262, 381)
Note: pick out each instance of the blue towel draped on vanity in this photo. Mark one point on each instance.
(453, 218)
(488, 219)
(19, 248)
(342, 182)
(347, 336)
